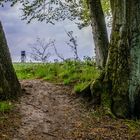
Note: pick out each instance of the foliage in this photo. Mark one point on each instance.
(5, 106)
(69, 72)
(84, 14)
(107, 10)
(106, 7)
(51, 11)
(134, 125)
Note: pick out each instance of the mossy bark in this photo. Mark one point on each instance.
(122, 72)
(9, 84)
(134, 80)
(117, 71)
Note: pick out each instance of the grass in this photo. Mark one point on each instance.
(69, 73)
(134, 125)
(79, 86)
(5, 106)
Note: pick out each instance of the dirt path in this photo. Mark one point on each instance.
(49, 112)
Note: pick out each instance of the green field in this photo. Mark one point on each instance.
(78, 74)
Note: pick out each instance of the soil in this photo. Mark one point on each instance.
(48, 111)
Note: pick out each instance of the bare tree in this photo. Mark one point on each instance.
(73, 44)
(40, 50)
(58, 54)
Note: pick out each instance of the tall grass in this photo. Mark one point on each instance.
(69, 73)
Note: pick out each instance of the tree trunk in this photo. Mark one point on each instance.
(112, 5)
(9, 85)
(119, 84)
(123, 64)
(99, 32)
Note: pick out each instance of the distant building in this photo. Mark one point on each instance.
(23, 56)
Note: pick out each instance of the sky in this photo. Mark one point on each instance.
(20, 35)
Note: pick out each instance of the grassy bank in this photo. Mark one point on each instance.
(74, 73)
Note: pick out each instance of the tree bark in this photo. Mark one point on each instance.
(123, 64)
(119, 84)
(9, 84)
(117, 65)
(112, 5)
(99, 32)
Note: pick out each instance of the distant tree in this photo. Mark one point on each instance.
(58, 54)
(73, 44)
(40, 50)
(9, 84)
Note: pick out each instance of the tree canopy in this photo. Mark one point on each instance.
(52, 11)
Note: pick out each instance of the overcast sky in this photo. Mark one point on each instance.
(19, 35)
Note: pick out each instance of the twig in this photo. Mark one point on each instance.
(49, 134)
